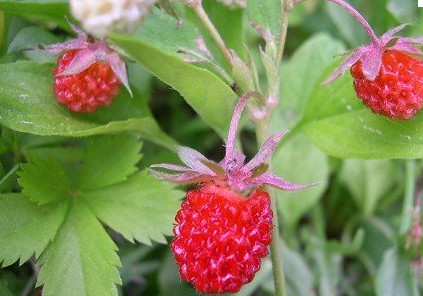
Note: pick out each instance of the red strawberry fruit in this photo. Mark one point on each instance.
(397, 91)
(387, 74)
(88, 74)
(96, 86)
(224, 227)
(220, 238)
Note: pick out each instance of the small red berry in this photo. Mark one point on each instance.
(397, 91)
(221, 237)
(96, 86)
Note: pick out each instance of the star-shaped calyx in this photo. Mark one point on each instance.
(232, 173)
(89, 51)
(370, 55)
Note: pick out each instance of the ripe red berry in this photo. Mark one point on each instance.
(397, 91)
(96, 86)
(220, 238)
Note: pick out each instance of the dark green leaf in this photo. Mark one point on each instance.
(30, 38)
(395, 276)
(109, 160)
(209, 96)
(338, 123)
(44, 181)
(25, 228)
(368, 181)
(27, 104)
(46, 10)
(82, 259)
(141, 208)
(4, 291)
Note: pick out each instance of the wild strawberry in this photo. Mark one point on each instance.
(387, 77)
(223, 228)
(88, 74)
(397, 91)
(220, 238)
(87, 90)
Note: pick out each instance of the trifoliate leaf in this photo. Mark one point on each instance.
(81, 260)
(44, 181)
(26, 228)
(109, 160)
(140, 208)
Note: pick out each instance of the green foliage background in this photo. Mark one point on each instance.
(80, 215)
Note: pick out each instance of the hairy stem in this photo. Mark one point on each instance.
(358, 17)
(410, 190)
(286, 7)
(201, 13)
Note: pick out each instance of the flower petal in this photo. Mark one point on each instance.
(265, 151)
(73, 44)
(275, 181)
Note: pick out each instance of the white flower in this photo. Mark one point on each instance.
(100, 17)
(234, 3)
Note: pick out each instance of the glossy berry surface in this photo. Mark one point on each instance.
(397, 91)
(96, 86)
(220, 238)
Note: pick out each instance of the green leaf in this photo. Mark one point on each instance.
(141, 208)
(82, 259)
(209, 96)
(395, 276)
(4, 291)
(27, 104)
(299, 161)
(108, 160)
(265, 13)
(31, 38)
(368, 181)
(44, 181)
(300, 75)
(338, 123)
(25, 228)
(403, 10)
(46, 10)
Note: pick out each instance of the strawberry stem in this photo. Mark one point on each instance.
(286, 7)
(359, 18)
(201, 13)
(410, 189)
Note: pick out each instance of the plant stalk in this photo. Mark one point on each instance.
(201, 13)
(410, 190)
(286, 7)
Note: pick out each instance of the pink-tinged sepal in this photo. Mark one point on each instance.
(232, 172)
(277, 182)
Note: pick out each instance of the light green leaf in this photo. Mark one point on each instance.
(82, 259)
(141, 208)
(108, 160)
(403, 10)
(338, 123)
(395, 276)
(31, 38)
(299, 161)
(368, 181)
(27, 104)
(44, 181)
(299, 76)
(209, 96)
(25, 228)
(46, 10)
(265, 13)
